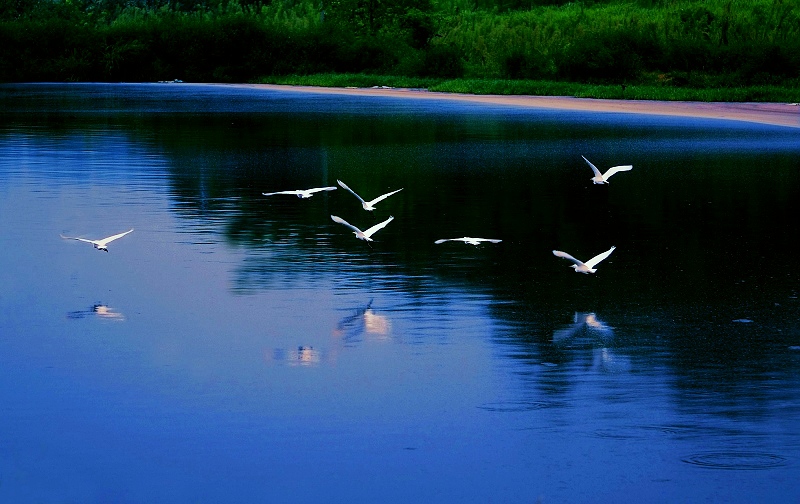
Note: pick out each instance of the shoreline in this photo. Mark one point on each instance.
(775, 114)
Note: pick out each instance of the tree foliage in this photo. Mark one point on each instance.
(676, 42)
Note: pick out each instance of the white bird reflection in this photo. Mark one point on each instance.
(300, 356)
(364, 320)
(349, 330)
(468, 239)
(583, 322)
(589, 331)
(98, 310)
(606, 360)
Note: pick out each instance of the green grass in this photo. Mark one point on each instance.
(775, 94)
(352, 80)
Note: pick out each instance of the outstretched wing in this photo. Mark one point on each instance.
(383, 197)
(564, 255)
(615, 169)
(351, 191)
(437, 242)
(106, 241)
(282, 192)
(593, 167)
(318, 189)
(488, 239)
(371, 231)
(75, 238)
(594, 261)
(344, 222)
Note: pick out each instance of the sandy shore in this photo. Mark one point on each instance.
(778, 114)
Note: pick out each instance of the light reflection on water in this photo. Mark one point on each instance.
(261, 344)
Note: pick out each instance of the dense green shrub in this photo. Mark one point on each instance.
(689, 43)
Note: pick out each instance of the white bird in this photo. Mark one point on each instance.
(368, 205)
(602, 178)
(303, 193)
(99, 244)
(467, 239)
(363, 235)
(584, 267)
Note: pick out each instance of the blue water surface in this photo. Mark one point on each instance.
(243, 348)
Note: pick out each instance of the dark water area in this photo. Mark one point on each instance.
(243, 348)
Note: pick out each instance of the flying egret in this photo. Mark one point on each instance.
(584, 267)
(303, 193)
(467, 239)
(602, 178)
(99, 244)
(363, 235)
(368, 205)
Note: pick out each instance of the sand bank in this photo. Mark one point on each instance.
(778, 114)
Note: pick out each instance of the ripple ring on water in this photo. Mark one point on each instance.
(517, 406)
(736, 460)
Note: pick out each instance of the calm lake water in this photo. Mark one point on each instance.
(243, 348)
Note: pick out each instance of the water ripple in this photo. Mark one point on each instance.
(518, 406)
(733, 460)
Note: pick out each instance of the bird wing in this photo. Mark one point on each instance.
(564, 255)
(106, 241)
(371, 231)
(383, 197)
(344, 222)
(75, 238)
(615, 169)
(351, 191)
(596, 259)
(489, 240)
(318, 189)
(437, 242)
(282, 192)
(593, 167)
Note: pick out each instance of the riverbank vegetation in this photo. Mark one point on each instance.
(733, 50)
(755, 93)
